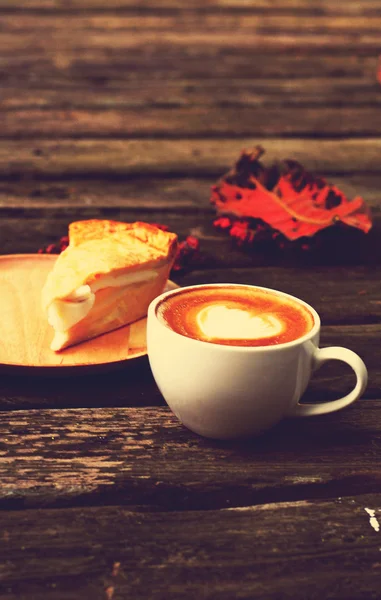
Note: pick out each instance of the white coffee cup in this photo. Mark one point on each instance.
(222, 391)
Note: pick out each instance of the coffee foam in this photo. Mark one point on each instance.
(220, 322)
(234, 315)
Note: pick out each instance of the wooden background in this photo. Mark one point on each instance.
(132, 110)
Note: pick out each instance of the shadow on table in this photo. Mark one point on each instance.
(130, 384)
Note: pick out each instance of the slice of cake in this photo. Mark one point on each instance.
(106, 278)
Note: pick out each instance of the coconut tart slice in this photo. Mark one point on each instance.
(106, 278)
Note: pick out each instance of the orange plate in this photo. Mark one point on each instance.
(25, 334)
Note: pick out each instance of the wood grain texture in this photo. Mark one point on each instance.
(186, 27)
(190, 19)
(31, 197)
(76, 33)
(116, 69)
(147, 194)
(192, 122)
(43, 158)
(351, 8)
(144, 458)
(145, 92)
(363, 43)
(111, 552)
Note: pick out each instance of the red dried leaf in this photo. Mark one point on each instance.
(192, 242)
(242, 233)
(187, 252)
(288, 198)
(223, 223)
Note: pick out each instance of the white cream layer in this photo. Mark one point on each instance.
(220, 322)
(63, 313)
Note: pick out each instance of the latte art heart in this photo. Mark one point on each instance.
(235, 316)
(233, 323)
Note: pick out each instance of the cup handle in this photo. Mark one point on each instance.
(320, 356)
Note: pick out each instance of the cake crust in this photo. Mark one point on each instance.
(104, 247)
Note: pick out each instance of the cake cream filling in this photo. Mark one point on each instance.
(64, 313)
(221, 322)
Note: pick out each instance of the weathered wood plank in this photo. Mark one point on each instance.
(148, 93)
(367, 43)
(289, 550)
(160, 33)
(144, 458)
(352, 7)
(192, 122)
(59, 157)
(101, 68)
(187, 21)
(146, 193)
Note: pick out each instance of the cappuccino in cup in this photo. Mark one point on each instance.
(233, 360)
(235, 316)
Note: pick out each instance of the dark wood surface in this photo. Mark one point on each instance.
(132, 110)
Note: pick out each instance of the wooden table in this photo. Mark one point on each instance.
(131, 110)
